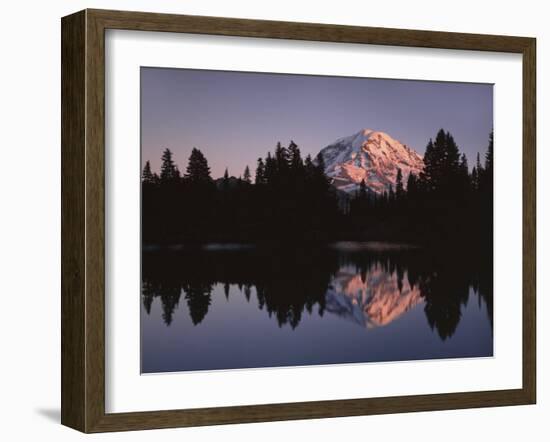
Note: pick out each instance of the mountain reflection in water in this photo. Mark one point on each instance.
(308, 301)
(371, 300)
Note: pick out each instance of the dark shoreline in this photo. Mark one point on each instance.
(374, 245)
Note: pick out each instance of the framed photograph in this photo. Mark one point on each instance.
(270, 220)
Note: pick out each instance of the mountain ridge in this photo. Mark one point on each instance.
(370, 155)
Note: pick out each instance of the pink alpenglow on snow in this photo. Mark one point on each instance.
(372, 156)
(374, 300)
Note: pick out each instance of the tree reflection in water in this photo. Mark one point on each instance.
(371, 286)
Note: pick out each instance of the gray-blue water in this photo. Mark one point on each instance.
(241, 307)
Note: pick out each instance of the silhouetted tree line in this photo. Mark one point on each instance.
(291, 198)
(287, 285)
(176, 206)
(445, 202)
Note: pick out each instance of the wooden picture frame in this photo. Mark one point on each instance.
(83, 220)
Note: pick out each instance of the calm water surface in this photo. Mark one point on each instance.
(230, 306)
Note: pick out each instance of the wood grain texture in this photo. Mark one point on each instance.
(83, 220)
(95, 222)
(73, 129)
(143, 21)
(529, 220)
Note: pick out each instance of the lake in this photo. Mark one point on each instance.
(227, 306)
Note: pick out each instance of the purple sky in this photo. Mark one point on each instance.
(236, 117)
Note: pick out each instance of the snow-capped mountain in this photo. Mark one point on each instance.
(372, 156)
(374, 300)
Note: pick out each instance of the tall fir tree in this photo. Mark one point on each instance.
(295, 157)
(441, 164)
(474, 179)
(478, 177)
(486, 183)
(479, 167)
(399, 188)
(412, 185)
(198, 170)
(463, 166)
(452, 154)
(147, 176)
(362, 195)
(270, 169)
(260, 172)
(429, 172)
(168, 170)
(464, 176)
(281, 159)
(440, 160)
(320, 160)
(309, 169)
(391, 194)
(489, 154)
(247, 178)
(225, 180)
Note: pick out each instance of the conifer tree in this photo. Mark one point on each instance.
(281, 158)
(452, 154)
(391, 194)
(463, 166)
(475, 179)
(246, 175)
(464, 176)
(427, 176)
(362, 190)
(489, 155)
(487, 179)
(479, 167)
(168, 169)
(310, 170)
(199, 298)
(399, 189)
(225, 180)
(270, 169)
(321, 180)
(295, 157)
(412, 186)
(147, 176)
(308, 163)
(478, 176)
(198, 170)
(260, 172)
(359, 203)
(441, 164)
(320, 160)
(487, 192)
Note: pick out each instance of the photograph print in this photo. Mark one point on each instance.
(300, 220)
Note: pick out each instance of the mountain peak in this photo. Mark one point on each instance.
(365, 132)
(370, 155)
(371, 133)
